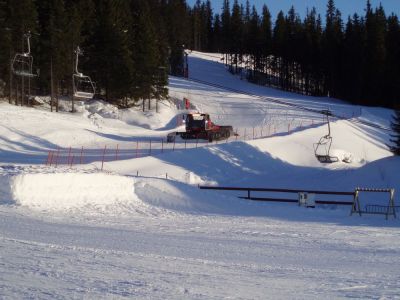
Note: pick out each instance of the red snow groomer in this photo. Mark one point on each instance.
(199, 126)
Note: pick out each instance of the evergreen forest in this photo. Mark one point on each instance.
(130, 47)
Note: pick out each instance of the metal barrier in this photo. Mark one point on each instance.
(293, 191)
(387, 210)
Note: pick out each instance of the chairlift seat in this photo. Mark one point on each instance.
(22, 65)
(327, 159)
(83, 86)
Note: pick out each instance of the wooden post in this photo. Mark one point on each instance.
(58, 155)
(72, 161)
(81, 155)
(51, 157)
(69, 155)
(104, 153)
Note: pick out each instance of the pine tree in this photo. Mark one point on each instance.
(279, 49)
(5, 50)
(113, 49)
(216, 43)
(332, 43)
(178, 30)
(146, 60)
(392, 64)
(375, 52)
(236, 32)
(353, 60)
(266, 35)
(395, 125)
(226, 29)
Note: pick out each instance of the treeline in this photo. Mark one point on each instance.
(129, 46)
(357, 59)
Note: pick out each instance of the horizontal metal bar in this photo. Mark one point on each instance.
(275, 190)
(270, 199)
(296, 201)
(374, 190)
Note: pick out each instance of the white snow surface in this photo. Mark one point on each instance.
(142, 229)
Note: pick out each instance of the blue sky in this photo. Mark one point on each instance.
(347, 7)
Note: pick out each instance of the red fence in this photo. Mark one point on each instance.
(152, 146)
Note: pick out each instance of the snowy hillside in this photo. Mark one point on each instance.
(118, 213)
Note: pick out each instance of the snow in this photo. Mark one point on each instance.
(141, 228)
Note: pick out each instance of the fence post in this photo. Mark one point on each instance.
(48, 158)
(104, 153)
(162, 146)
(173, 147)
(69, 155)
(116, 152)
(58, 155)
(81, 155)
(72, 161)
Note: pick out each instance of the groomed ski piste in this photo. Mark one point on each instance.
(82, 232)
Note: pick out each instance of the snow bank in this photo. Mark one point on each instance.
(182, 198)
(70, 190)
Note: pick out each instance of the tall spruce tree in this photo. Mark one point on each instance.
(395, 125)
(332, 43)
(375, 52)
(392, 64)
(146, 60)
(4, 49)
(113, 49)
(266, 37)
(353, 59)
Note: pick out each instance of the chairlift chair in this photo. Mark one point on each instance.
(84, 87)
(22, 63)
(323, 147)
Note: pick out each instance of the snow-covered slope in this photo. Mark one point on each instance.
(142, 228)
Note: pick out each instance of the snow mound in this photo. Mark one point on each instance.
(70, 190)
(112, 195)
(182, 198)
